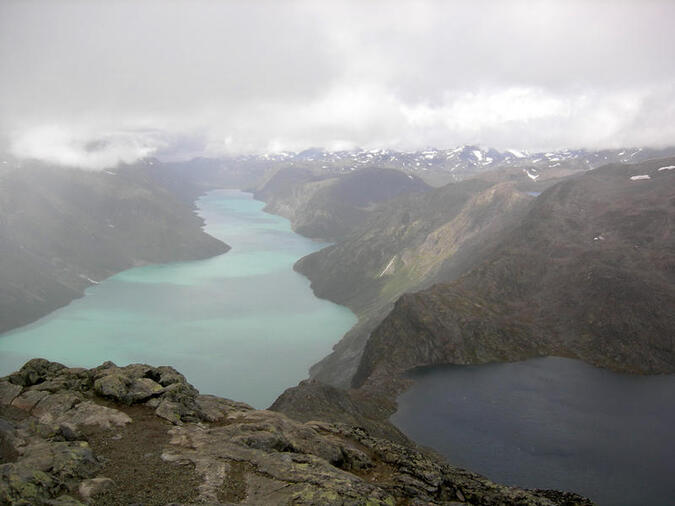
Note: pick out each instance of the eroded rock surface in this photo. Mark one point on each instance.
(142, 434)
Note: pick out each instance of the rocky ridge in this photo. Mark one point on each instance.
(119, 435)
(407, 244)
(588, 274)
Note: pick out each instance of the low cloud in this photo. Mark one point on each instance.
(84, 149)
(96, 83)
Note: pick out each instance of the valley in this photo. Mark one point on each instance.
(337, 253)
(496, 267)
(217, 319)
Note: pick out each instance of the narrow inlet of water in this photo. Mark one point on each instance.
(241, 325)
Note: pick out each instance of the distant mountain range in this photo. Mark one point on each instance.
(441, 166)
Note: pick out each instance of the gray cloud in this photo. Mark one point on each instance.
(94, 82)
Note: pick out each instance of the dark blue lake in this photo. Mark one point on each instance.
(550, 423)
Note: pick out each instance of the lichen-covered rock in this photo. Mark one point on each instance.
(126, 388)
(113, 385)
(39, 380)
(44, 468)
(171, 411)
(35, 371)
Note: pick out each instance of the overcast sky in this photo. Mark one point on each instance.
(93, 82)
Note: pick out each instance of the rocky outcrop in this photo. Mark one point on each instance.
(313, 400)
(142, 434)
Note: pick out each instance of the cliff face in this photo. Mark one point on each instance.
(329, 207)
(62, 229)
(589, 273)
(142, 434)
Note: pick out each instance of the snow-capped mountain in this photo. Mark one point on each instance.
(445, 165)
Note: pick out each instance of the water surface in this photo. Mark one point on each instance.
(242, 325)
(550, 423)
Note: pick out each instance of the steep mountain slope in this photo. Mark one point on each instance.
(329, 207)
(62, 230)
(589, 273)
(407, 244)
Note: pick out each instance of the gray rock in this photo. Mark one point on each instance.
(35, 371)
(89, 413)
(8, 441)
(216, 408)
(171, 411)
(143, 389)
(51, 407)
(28, 400)
(231, 452)
(114, 386)
(94, 486)
(9, 392)
(45, 470)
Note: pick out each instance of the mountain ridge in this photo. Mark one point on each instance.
(587, 274)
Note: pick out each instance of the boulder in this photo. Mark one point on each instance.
(92, 414)
(54, 406)
(94, 486)
(35, 371)
(113, 386)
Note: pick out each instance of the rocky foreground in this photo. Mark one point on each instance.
(144, 435)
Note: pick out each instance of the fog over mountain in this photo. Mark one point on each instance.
(94, 83)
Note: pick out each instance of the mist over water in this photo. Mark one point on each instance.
(550, 423)
(242, 325)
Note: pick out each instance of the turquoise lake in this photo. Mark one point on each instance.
(242, 325)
